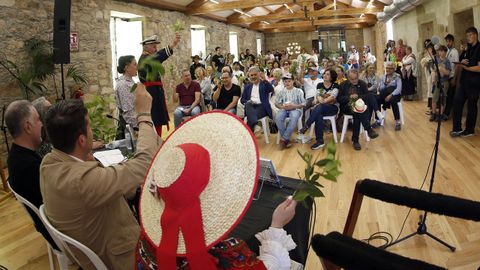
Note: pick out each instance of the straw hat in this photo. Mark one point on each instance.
(359, 106)
(232, 175)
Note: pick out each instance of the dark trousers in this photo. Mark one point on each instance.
(308, 105)
(372, 104)
(392, 103)
(358, 118)
(450, 98)
(460, 98)
(253, 112)
(317, 114)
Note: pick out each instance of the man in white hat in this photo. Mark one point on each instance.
(155, 88)
(355, 89)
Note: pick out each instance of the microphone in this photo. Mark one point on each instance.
(434, 41)
(125, 127)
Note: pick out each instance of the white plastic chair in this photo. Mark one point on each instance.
(400, 110)
(96, 261)
(332, 120)
(346, 118)
(63, 260)
(265, 127)
(299, 126)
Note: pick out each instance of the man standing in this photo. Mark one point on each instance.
(218, 60)
(351, 90)
(25, 127)
(255, 97)
(453, 56)
(187, 94)
(469, 87)
(85, 200)
(226, 96)
(155, 88)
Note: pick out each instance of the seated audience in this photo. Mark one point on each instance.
(227, 94)
(351, 90)
(390, 92)
(25, 127)
(205, 85)
(237, 74)
(42, 105)
(369, 76)
(187, 94)
(290, 101)
(127, 66)
(444, 68)
(85, 200)
(310, 87)
(255, 98)
(196, 64)
(340, 75)
(326, 106)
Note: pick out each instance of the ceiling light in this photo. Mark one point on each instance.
(265, 22)
(214, 1)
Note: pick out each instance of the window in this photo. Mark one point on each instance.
(125, 37)
(390, 30)
(198, 40)
(259, 46)
(233, 40)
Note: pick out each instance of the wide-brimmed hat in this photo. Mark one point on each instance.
(151, 40)
(200, 171)
(359, 106)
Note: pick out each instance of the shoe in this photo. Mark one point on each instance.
(444, 117)
(466, 134)
(357, 146)
(398, 126)
(283, 144)
(303, 130)
(372, 134)
(317, 145)
(433, 118)
(379, 116)
(455, 133)
(288, 144)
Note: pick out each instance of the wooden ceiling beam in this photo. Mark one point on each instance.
(212, 7)
(196, 4)
(301, 15)
(161, 5)
(324, 22)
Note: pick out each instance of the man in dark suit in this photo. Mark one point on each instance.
(25, 127)
(255, 97)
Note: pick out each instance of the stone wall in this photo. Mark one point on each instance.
(23, 19)
(280, 40)
(354, 37)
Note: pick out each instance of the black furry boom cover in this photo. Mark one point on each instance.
(422, 200)
(351, 254)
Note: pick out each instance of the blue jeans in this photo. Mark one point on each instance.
(178, 114)
(294, 115)
(317, 114)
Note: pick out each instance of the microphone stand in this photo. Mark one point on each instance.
(125, 127)
(422, 226)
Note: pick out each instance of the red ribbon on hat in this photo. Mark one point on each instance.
(183, 212)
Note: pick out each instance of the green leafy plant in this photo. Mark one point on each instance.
(294, 68)
(178, 26)
(327, 168)
(171, 70)
(154, 69)
(103, 128)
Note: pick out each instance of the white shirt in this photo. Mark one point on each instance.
(310, 87)
(255, 96)
(235, 74)
(274, 247)
(452, 55)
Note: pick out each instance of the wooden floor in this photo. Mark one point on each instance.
(394, 157)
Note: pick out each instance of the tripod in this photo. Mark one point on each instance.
(422, 226)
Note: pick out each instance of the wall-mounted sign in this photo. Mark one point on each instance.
(73, 41)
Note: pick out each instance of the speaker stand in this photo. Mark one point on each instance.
(63, 81)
